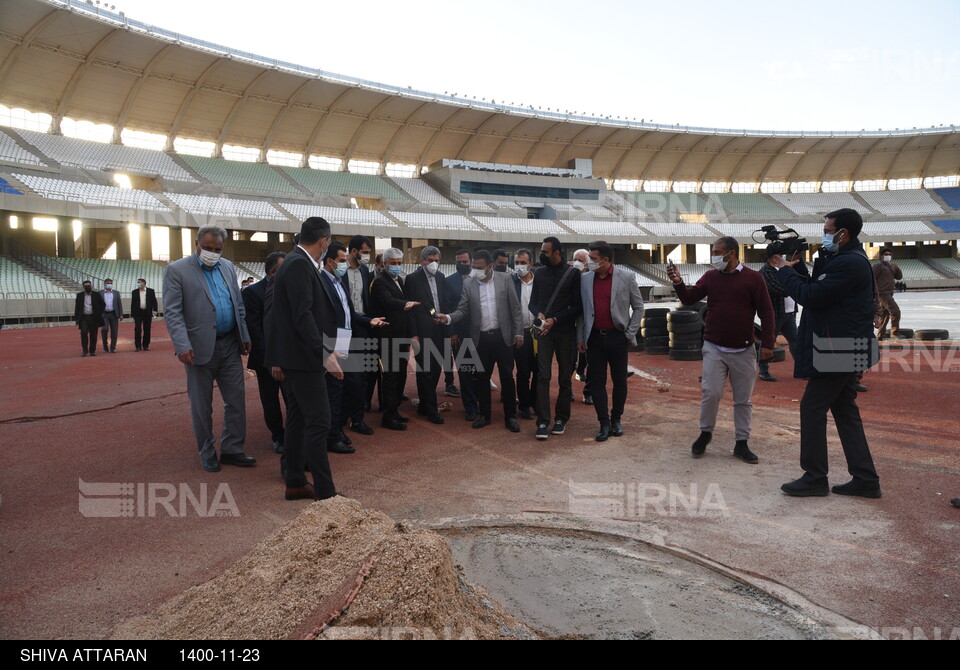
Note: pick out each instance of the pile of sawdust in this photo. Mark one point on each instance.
(289, 582)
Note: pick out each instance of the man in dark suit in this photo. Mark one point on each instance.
(347, 322)
(143, 307)
(387, 297)
(254, 299)
(112, 315)
(526, 359)
(88, 315)
(491, 306)
(428, 287)
(300, 334)
(460, 331)
(356, 282)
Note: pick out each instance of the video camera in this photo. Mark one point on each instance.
(784, 242)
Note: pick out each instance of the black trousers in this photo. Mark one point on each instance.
(335, 398)
(270, 392)
(836, 393)
(527, 376)
(430, 366)
(141, 331)
(608, 348)
(88, 333)
(559, 344)
(468, 394)
(394, 357)
(308, 422)
(492, 350)
(583, 369)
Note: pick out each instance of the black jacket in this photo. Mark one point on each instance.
(253, 302)
(96, 302)
(151, 304)
(418, 290)
(567, 306)
(300, 330)
(387, 299)
(836, 328)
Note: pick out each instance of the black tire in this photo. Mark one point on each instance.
(677, 355)
(779, 355)
(656, 341)
(693, 327)
(685, 337)
(654, 332)
(653, 321)
(656, 311)
(685, 316)
(685, 346)
(932, 334)
(904, 334)
(658, 351)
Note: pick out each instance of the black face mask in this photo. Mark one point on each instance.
(500, 268)
(464, 268)
(88, 289)
(544, 259)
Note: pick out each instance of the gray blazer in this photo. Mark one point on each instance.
(117, 303)
(188, 309)
(508, 307)
(624, 295)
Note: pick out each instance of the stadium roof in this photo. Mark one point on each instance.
(72, 59)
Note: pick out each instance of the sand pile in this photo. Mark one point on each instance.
(296, 583)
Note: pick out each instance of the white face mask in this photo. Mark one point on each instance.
(593, 266)
(718, 262)
(522, 270)
(209, 258)
(108, 286)
(887, 259)
(365, 259)
(479, 275)
(432, 268)
(578, 265)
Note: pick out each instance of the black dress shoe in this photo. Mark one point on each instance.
(278, 446)
(393, 424)
(146, 348)
(742, 451)
(512, 425)
(858, 487)
(401, 418)
(616, 430)
(860, 388)
(404, 398)
(210, 464)
(588, 400)
(804, 488)
(362, 428)
(240, 460)
(481, 422)
(300, 493)
(341, 448)
(767, 377)
(435, 418)
(346, 440)
(700, 445)
(470, 416)
(526, 414)
(138, 349)
(604, 432)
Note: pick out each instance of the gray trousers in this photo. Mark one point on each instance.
(226, 368)
(741, 369)
(111, 324)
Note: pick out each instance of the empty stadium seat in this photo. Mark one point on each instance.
(436, 221)
(817, 203)
(257, 177)
(91, 194)
(505, 224)
(902, 203)
(11, 152)
(339, 216)
(323, 182)
(951, 196)
(249, 209)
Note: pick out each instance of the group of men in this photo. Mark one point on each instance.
(103, 311)
(324, 328)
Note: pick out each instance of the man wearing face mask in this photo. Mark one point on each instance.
(357, 283)
(427, 286)
(489, 302)
(886, 274)
(88, 315)
(112, 315)
(835, 343)
(581, 259)
(143, 307)
(206, 322)
(501, 261)
(460, 331)
(736, 294)
(526, 357)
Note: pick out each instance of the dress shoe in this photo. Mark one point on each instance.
(742, 451)
(139, 349)
(767, 377)
(240, 460)
(481, 422)
(361, 427)
(630, 373)
(616, 430)
(210, 464)
(85, 354)
(587, 399)
(470, 416)
(452, 391)
(858, 487)
(301, 493)
(526, 414)
(93, 353)
(512, 425)
(404, 397)
(340, 448)
(146, 348)
(860, 388)
(435, 418)
(346, 440)
(393, 424)
(113, 350)
(700, 445)
(804, 488)
(604, 432)
(955, 502)
(401, 418)
(278, 446)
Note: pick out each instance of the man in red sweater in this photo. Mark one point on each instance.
(735, 293)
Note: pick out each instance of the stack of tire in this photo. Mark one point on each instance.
(685, 329)
(653, 328)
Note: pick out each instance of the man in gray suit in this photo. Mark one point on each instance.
(490, 300)
(112, 315)
(604, 331)
(205, 318)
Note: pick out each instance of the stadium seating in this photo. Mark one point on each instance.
(206, 205)
(902, 203)
(14, 278)
(748, 205)
(676, 229)
(817, 203)
(249, 269)
(893, 229)
(338, 217)
(91, 194)
(124, 273)
(915, 270)
(951, 226)
(323, 182)
(592, 211)
(744, 233)
(436, 221)
(951, 196)
(541, 227)
(951, 265)
(11, 152)
(257, 177)
(599, 229)
(667, 204)
(420, 191)
(106, 157)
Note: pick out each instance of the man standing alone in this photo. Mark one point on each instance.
(143, 307)
(886, 274)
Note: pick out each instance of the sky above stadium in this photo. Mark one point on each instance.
(812, 65)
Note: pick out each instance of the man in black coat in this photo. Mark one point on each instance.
(270, 389)
(356, 282)
(300, 335)
(835, 343)
(88, 315)
(387, 297)
(143, 307)
(427, 286)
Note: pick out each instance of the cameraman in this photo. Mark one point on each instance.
(836, 341)
(784, 307)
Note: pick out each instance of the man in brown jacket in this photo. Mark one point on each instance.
(886, 274)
